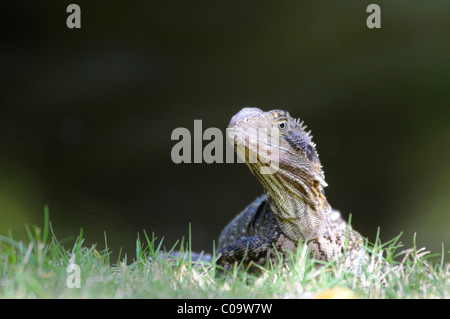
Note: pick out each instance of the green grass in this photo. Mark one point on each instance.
(38, 269)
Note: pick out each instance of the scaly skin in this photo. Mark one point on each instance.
(294, 206)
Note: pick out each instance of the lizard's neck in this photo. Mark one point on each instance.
(297, 202)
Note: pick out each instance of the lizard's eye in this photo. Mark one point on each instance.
(282, 125)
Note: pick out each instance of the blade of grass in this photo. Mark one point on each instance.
(118, 257)
(139, 252)
(29, 233)
(190, 246)
(78, 242)
(46, 221)
(107, 252)
(58, 248)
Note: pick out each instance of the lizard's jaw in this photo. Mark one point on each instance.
(255, 142)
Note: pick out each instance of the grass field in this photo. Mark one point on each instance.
(45, 267)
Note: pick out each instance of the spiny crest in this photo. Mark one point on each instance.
(303, 128)
(300, 136)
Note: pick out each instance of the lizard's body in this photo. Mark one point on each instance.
(294, 206)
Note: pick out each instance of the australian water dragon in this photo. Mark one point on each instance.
(294, 207)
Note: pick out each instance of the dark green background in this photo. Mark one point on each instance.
(87, 115)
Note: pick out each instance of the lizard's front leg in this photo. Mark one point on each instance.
(246, 251)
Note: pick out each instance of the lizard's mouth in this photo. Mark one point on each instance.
(259, 148)
(254, 143)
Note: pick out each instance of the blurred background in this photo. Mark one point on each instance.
(87, 114)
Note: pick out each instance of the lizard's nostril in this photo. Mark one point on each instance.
(244, 115)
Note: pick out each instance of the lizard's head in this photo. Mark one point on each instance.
(262, 133)
(294, 184)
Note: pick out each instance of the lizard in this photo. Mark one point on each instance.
(293, 207)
